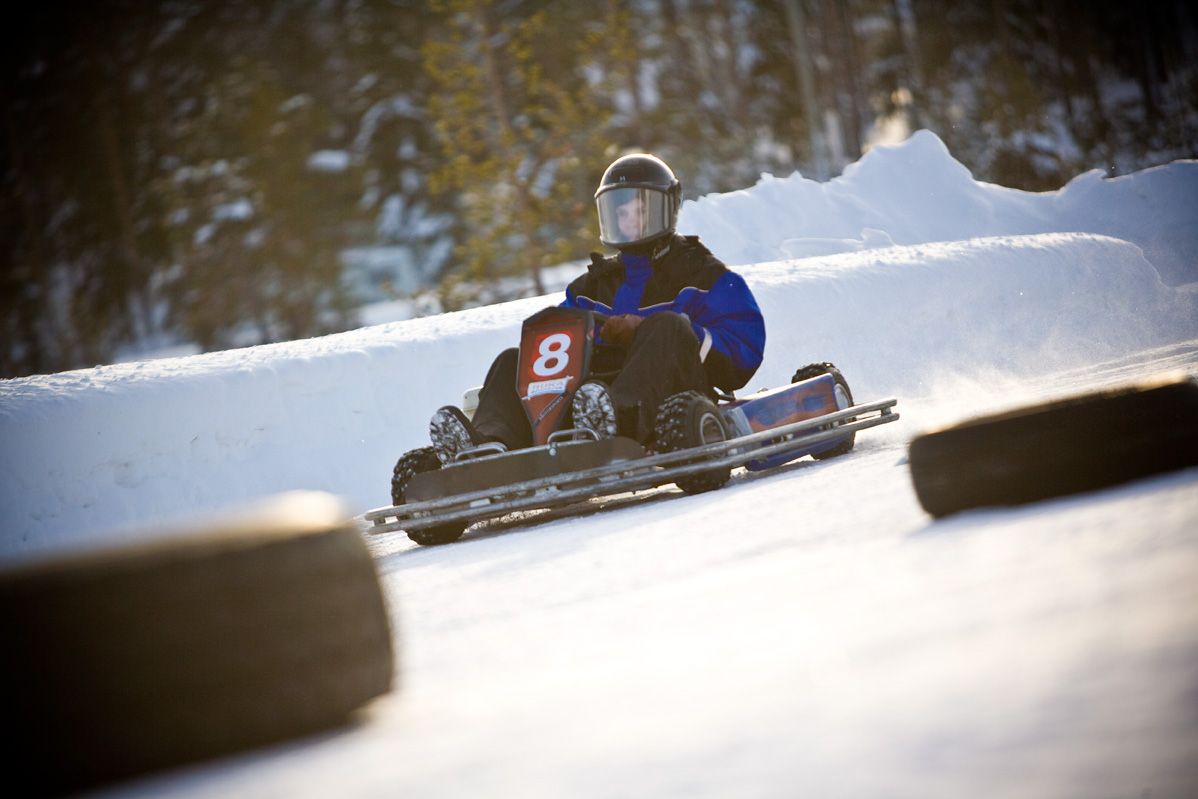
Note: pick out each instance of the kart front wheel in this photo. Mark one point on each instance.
(409, 465)
(689, 420)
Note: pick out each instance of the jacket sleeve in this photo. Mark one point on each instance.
(575, 287)
(580, 293)
(730, 329)
(571, 300)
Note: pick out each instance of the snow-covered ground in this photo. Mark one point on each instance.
(916, 192)
(808, 631)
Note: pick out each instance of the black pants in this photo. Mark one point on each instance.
(663, 359)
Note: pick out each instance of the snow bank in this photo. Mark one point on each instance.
(128, 444)
(898, 318)
(91, 451)
(915, 192)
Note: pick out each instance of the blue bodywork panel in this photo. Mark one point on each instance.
(794, 403)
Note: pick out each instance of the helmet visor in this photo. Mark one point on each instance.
(630, 215)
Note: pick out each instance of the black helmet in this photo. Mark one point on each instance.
(622, 221)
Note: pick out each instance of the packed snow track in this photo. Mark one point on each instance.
(802, 632)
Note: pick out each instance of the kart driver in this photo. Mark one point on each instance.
(678, 320)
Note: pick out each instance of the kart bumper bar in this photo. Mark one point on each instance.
(628, 475)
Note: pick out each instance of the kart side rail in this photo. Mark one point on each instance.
(626, 475)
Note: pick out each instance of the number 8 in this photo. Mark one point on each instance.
(555, 355)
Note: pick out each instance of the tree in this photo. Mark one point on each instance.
(517, 104)
(257, 223)
(77, 275)
(202, 170)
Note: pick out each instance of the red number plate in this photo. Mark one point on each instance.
(555, 350)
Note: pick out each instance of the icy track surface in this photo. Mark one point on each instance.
(804, 632)
(808, 632)
(101, 454)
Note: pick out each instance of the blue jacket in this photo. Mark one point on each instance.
(683, 277)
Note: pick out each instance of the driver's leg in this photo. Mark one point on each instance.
(662, 360)
(500, 414)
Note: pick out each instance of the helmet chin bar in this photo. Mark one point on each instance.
(650, 248)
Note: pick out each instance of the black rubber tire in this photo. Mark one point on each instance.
(815, 370)
(409, 465)
(1052, 449)
(128, 660)
(689, 420)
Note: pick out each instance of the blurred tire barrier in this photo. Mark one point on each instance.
(1052, 449)
(267, 625)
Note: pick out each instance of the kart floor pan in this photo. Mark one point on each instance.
(495, 471)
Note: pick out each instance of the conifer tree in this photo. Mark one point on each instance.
(521, 123)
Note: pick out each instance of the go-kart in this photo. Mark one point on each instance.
(697, 440)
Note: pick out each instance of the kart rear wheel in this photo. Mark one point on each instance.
(690, 420)
(409, 465)
(844, 399)
(1052, 449)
